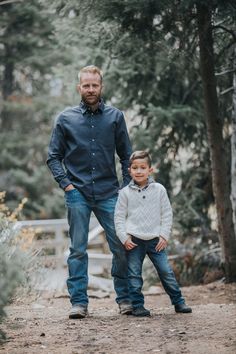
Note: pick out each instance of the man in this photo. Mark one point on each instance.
(82, 160)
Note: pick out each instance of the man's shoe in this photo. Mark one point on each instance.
(125, 308)
(182, 308)
(78, 311)
(140, 312)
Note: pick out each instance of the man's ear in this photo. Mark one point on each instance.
(78, 88)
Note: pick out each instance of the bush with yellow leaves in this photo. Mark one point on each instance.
(14, 255)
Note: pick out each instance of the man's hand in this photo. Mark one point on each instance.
(69, 188)
(162, 244)
(129, 244)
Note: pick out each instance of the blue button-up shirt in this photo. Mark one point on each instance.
(82, 150)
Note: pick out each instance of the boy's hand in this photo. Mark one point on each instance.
(129, 244)
(162, 244)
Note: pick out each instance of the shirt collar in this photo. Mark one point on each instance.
(84, 108)
(133, 185)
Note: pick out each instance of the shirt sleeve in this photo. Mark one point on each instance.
(166, 215)
(120, 216)
(56, 153)
(123, 148)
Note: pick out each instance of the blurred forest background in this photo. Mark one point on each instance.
(157, 72)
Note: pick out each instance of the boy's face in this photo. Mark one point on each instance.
(140, 171)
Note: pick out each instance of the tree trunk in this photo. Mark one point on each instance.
(220, 177)
(7, 87)
(233, 145)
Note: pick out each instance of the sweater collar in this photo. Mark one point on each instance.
(133, 185)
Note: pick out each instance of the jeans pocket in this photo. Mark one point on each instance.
(73, 198)
(70, 191)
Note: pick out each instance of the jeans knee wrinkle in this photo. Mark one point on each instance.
(77, 253)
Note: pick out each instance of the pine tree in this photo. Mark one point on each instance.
(27, 45)
(154, 68)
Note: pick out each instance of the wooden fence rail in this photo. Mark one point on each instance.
(51, 238)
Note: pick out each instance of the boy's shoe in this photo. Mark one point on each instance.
(141, 312)
(78, 311)
(182, 308)
(125, 308)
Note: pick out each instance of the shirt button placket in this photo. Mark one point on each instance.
(93, 147)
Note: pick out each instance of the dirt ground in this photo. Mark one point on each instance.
(41, 325)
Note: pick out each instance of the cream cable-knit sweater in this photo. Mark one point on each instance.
(144, 213)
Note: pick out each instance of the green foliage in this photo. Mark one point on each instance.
(27, 43)
(151, 63)
(149, 53)
(32, 73)
(23, 152)
(174, 136)
(25, 36)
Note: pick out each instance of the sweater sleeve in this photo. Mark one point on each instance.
(166, 215)
(121, 211)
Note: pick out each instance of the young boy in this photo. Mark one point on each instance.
(143, 220)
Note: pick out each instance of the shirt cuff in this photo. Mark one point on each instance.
(64, 183)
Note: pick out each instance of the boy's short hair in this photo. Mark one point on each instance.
(90, 69)
(141, 154)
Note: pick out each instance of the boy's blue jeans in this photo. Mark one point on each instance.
(79, 212)
(159, 259)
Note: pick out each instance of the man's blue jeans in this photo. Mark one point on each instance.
(79, 212)
(159, 259)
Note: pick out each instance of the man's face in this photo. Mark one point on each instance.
(90, 88)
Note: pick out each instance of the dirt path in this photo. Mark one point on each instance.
(42, 326)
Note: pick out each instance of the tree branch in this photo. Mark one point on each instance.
(226, 91)
(225, 72)
(9, 2)
(233, 33)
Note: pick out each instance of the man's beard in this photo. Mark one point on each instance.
(91, 100)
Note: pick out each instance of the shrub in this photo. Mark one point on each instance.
(14, 256)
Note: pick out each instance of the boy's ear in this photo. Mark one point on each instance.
(129, 170)
(151, 170)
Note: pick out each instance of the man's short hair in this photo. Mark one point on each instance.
(91, 69)
(141, 154)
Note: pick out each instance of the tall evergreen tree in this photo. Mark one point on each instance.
(143, 54)
(154, 67)
(26, 59)
(220, 173)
